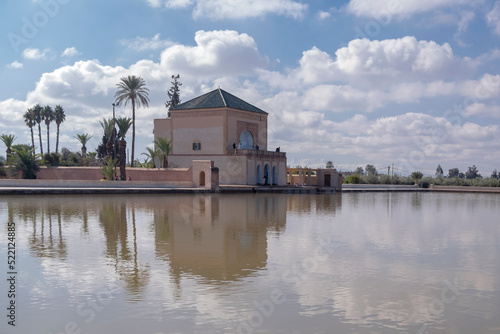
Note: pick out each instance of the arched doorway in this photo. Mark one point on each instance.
(266, 175)
(259, 174)
(275, 176)
(246, 140)
(202, 179)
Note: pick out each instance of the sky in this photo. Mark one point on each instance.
(413, 83)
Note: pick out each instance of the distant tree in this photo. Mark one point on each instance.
(29, 119)
(174, 93)
(132, 89)
(164, 146)
(48, 116)
(454, 172)
(359, 171)
(108, 126)
(59, 117)
(123, 124)
(439, 171)
(417, 176)
(19, 147)
(495, 175)
(83, 139)
(37, 116)
(472, 173)
(8, 141)
(370, 170)
(329, 164)
(151, 156)
(2, 167)
(26, 162)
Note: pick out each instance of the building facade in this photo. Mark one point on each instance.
(221, 127)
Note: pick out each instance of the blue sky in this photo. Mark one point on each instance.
(415, 83)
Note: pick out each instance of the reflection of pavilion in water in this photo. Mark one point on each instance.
(319, 203)
(217, 237)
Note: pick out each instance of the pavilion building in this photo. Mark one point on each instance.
(232, 133)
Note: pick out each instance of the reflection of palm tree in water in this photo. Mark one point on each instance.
(114, 221)
(39, 245)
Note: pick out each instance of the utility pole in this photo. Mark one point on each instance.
(392, 178)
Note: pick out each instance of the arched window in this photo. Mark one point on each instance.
(246, 140)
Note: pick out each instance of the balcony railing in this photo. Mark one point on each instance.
(260, 153)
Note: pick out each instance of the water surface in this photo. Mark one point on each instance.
(260, 263)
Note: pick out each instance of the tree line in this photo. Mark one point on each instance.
(109, 154)
(471, 177)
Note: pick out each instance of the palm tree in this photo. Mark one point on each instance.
(132, 89)
(29, 119)
(416, 176)
(59, 117)
(48, 116)
(108, 126)
(27, 162)
(151, 154)
(164, 147)
(83, 139)
(8, 140)
(123, 124)
(37, 113)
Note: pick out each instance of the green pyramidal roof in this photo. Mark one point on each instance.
(218, 99)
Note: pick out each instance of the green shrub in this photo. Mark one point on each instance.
(26, 162)
(51, 159)
(353, 179)
(108, 170)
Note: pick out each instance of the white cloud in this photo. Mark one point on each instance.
(463, 25)
(154, 3)
(216, 53)
(322, 15)
(170, 3)
(482, 110)
(70, 52)
(399, 9)
(493, 18)
(316, 109)
(15, 65)
(36, 54)
(238, 9)
(394, 57)
(178, 3)
(381, 64)
(144, 44)
(235, 9)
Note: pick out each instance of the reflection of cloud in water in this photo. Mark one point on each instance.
(202, 262)
(394, 259)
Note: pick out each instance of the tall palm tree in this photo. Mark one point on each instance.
(37, 113)
(29, 119)
(164, 146)
(48, 116)
(59, 117)
(108, 126)
(123, 124)
(132, 89)
(8, 140)
(83, 139)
